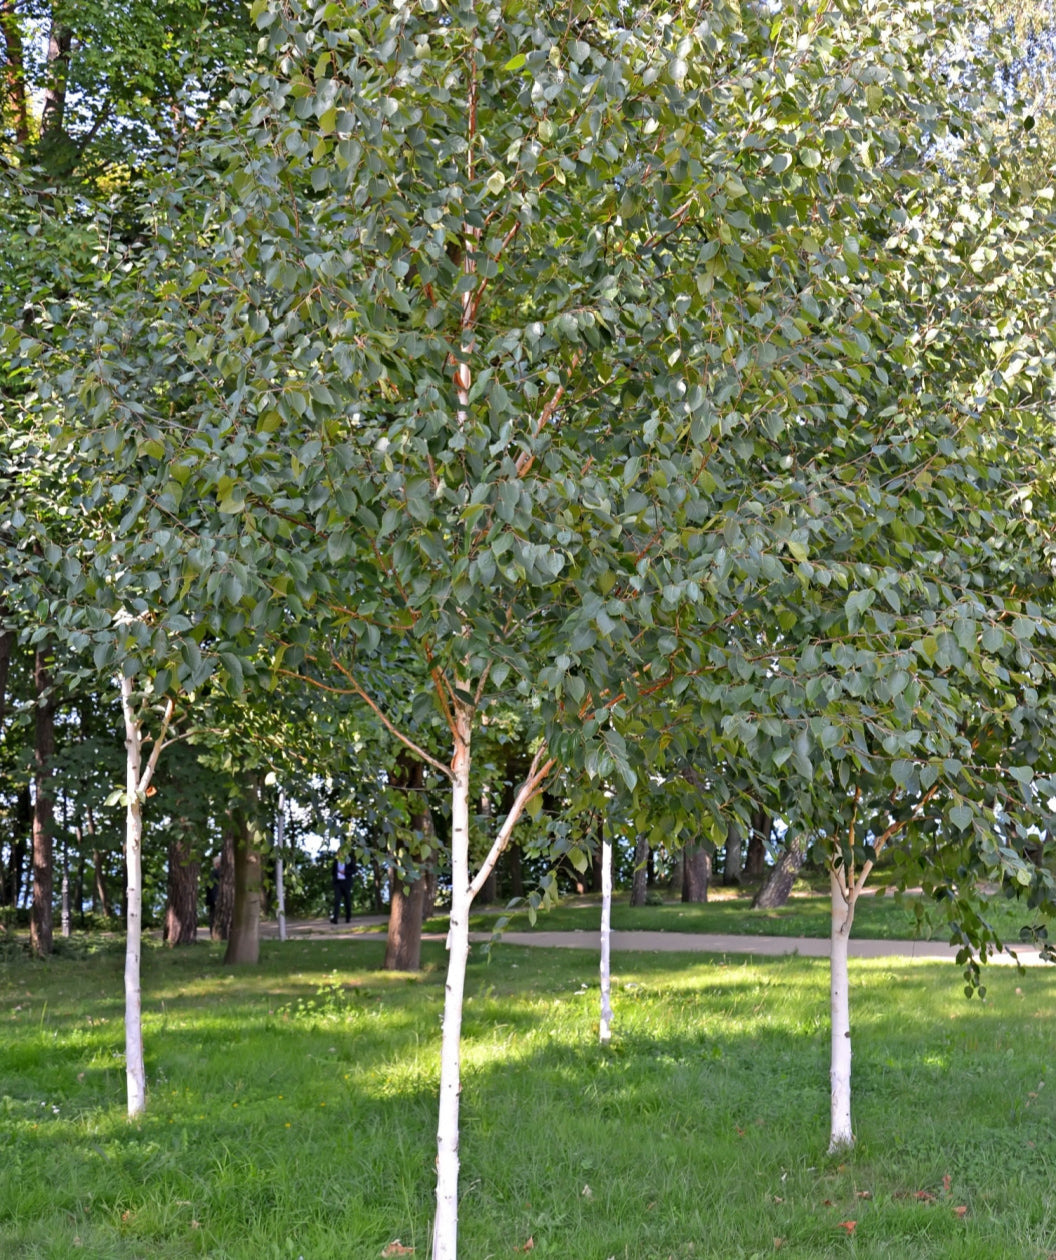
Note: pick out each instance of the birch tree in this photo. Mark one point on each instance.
(585, 366)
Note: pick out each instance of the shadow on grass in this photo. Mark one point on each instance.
(274, 1122)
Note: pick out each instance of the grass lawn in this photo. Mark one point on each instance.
(806, 914)
(292, 1110)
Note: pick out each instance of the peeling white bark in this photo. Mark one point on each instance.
(605, 1026)
(841, 1135)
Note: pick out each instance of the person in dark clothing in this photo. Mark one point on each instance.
(342, 872)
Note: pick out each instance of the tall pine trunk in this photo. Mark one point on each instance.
(41, 923)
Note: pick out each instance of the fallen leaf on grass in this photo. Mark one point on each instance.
(778, 1243)
(396, 1248)
(865, 1194)
(849, 1226)
(528, 1246)
(925, 1195)
(960, 1211)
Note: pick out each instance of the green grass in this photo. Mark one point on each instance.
(292, 1110)
(806, 914)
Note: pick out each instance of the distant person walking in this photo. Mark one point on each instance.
(342, 873)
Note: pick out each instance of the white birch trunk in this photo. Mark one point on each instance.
(445, 1224)
(605, 1026)
(135, 1072)
(280, 889)
(841, 1135)
(65, 890)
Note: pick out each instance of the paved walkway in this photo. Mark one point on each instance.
(652, 942)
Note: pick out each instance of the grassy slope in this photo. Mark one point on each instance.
(291, 1112)
(806, 914)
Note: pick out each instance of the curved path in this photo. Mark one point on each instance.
(654, 942)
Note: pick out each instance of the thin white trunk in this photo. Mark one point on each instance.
(135, 1072)
(137, 780)
(280, 890)
(843, 901)
(605, 1032)
(65, 891)
(445, 1225)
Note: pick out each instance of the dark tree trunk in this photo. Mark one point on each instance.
(755, 866)
(100, 892)
(17, 103)
(734, 864)
(697, 875)
(489, 892)
(641, 873)
(514, 870)
(377, 887)
(7, 645)
(432, 888)
(775, 892)
(80, 880)
(225, 890)
(181, 910)
(53, 112)
(42, 914)
(407, 903)
(678, 875)
(23, 829)
(403, 948)
(243, 945)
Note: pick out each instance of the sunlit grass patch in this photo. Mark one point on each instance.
(292, 1109)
